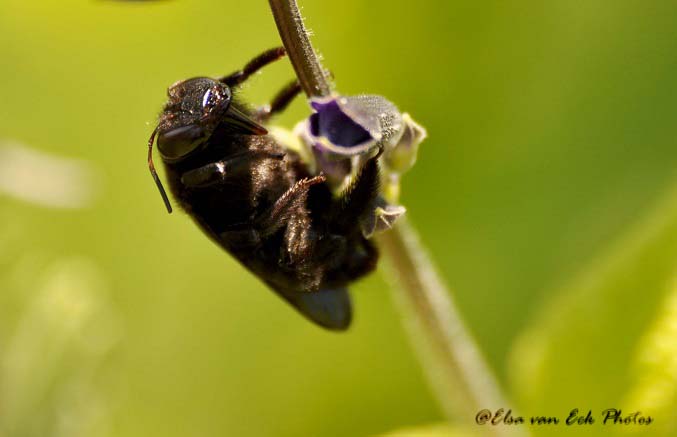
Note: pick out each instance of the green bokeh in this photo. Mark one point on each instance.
(551, 132)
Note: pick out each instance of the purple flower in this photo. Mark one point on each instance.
(331, 122)
(402, 156)
(354, 125)
(344, 132)
(335, 167)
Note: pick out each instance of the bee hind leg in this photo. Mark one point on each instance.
(291, 204)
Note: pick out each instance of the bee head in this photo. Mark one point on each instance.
(193, 111)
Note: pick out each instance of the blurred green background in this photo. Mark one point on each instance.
(546, 192)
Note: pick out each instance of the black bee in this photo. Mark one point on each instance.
(258, 200)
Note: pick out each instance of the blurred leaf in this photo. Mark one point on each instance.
(611, 330)
(655, 367)
(48, 369)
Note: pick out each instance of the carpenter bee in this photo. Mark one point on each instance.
(258, 200)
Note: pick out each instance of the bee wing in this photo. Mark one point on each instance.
(328, 307)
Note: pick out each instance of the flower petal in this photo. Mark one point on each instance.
(402, 156)
(382, 218)
(354, 125)
(335, 125)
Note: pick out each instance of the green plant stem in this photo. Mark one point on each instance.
(299, 49)
(457, 372)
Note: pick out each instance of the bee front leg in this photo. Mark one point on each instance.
(219, 171)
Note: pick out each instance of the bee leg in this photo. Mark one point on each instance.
(216, 172)
(265, 58)
(301, 251)
(297, 251)
(290, 204)
(359, 198)
(280, 102)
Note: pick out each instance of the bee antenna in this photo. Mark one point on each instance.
(151, 167)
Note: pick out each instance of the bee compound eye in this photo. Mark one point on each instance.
(179, 142)
(209, 98)
(218, 95)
